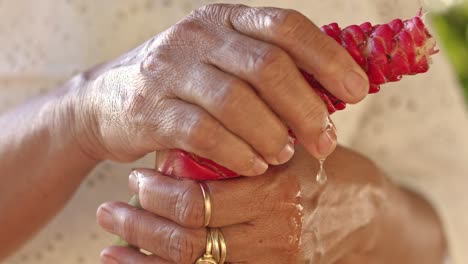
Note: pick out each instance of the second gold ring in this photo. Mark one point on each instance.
(207, 201)
(219, 250)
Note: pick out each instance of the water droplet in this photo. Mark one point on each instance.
(321, 177)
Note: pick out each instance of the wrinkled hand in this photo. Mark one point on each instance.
(223, 80)
(282, 217)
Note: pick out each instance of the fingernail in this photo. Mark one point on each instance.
(286, 153)
(327, 141)
(134, 181)
(108, 259)
(331, 125)
(259, 166)
(356, 84)
(135, 178)
(105, 218)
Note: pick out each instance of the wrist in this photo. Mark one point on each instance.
(77, 118)
(388, 221)
(91, 103)
(372, 235)
(408, 230)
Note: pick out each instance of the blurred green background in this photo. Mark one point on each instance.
(450, 17)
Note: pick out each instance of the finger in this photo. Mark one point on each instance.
(233, 201)
(311, 49)
(126, 255)
(152, 233)
(188, 127)
(235, 104)
(244, 243)
(277, 80)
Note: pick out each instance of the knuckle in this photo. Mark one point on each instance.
(245, 165)
(279, 137)
(204, 133)
(178, 40)
(185, 33)
(187, 26)
(312, 117)
(336, 57)
(230, 97)
(189, 208)
(146, 197)
(286, 23)
(162, 52)
(267, 60)
(154, 54)
(183, 246)
(213, 12)
(128, 226)
(206, 9)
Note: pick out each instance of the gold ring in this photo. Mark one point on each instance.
(207, 258)
(207, 200)
(215, 241)
(223, 248)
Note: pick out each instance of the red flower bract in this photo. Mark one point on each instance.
(386, 52)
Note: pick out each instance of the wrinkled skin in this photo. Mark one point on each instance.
(283, 216)
(223, 80)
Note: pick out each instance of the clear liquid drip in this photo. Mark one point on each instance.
(321, 177)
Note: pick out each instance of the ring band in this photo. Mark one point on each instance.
(207, 200)
(216, 246)
(223, 248)
(207, 258)
(209, 244)
(219, 250)
(216, 250)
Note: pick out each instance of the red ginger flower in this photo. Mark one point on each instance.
(386, 52)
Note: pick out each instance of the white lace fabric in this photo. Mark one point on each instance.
(416, 130)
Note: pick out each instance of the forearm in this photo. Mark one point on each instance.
(41, 164)
(410, 233)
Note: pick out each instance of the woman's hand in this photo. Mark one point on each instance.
(224, 80)
(282, 217)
